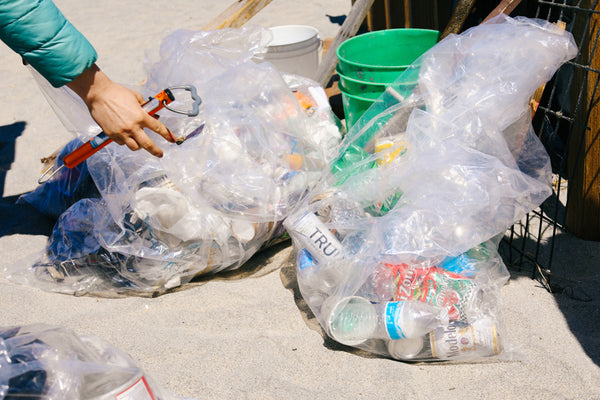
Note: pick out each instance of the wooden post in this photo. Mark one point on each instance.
(407, 14)
(458, 18)
(355, 17)
(583, 206)
(505, 6)
(376, 18)
(236, 15)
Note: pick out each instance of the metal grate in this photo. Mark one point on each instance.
(562, 123)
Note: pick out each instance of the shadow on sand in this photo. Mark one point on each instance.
(17, 218)
(573, 277)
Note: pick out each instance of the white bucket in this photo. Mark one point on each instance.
(295, 49)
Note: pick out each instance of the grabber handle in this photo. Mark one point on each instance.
(83, 152)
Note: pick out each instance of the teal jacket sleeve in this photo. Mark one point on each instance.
(38, 31)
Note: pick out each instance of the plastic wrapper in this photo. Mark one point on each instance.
(397, 245)
(51, 363)
(259, 142)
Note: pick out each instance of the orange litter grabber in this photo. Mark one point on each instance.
(152, 106)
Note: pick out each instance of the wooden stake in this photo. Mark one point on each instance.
(348, 29)
(459, 16)
(236, 14)
(505, 6)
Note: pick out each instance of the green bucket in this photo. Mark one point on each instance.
(381, 56)
(356, 105)
(358, 96)
(357, 86)
(370, 89)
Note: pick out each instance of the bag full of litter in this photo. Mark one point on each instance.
(260, 140)
(53, 363)
(397, 244)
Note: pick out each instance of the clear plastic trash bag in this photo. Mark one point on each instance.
(64, 189)
(260, 141)
(397, 245)
(53, 363)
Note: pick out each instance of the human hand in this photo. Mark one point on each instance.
(118, 111)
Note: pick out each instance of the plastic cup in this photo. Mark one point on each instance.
(381, 56)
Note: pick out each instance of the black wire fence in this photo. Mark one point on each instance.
(566, 123)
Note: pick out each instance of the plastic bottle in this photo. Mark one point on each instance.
(353, 320)
(316, 281)
(319, 241)
(52, 362)
(452, 341)
(470, 262)
(355, 160)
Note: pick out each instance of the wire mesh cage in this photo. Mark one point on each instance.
(566, 120)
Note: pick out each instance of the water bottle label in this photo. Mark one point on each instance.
(393, 312)
(138, 391)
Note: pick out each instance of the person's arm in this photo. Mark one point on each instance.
(38, 31)
(118, 112)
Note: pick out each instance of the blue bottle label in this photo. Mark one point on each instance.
(393, 311)
(305, 259)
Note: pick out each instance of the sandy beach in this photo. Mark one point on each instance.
(248, 334)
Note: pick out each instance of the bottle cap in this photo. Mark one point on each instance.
(244, 231)
(351, 320)
(405, 349)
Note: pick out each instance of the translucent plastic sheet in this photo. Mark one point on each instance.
(64, 189)
(259, 142)
(397, 245)
(53, 363)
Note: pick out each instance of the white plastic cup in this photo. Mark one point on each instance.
(295, 49)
